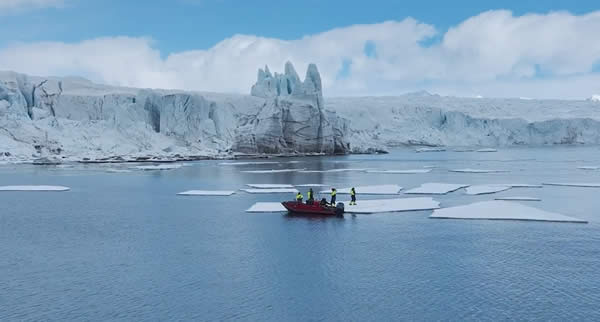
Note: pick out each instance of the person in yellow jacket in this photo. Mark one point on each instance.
(299, 197)
(333, 196)
(352, 197)
(310, 196)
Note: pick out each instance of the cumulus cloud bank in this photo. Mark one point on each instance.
(491, 54)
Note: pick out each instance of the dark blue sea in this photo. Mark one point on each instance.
(124, 246)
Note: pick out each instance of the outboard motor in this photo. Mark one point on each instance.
(339, 209)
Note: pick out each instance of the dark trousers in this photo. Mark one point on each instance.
(353, 198)
(333, 200)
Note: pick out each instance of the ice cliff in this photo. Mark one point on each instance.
(425, 119)
(292, 117)
(74, 118)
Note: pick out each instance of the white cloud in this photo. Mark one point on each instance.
(14, 5)
(494, 54)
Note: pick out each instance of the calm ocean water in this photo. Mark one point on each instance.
(123, 246)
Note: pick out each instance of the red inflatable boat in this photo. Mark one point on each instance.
(314, 209)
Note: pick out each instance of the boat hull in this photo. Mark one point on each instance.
(312, 209)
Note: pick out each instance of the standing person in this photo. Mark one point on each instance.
(299, 197)
(352, 197)
(310, 199)
(333, 196)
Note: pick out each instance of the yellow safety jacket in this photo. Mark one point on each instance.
(299, 196)
(352, 192)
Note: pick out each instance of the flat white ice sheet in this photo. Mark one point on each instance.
(207, 193)
(500, 210)
(435, 188)
(33, 188)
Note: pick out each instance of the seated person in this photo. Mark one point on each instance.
(323, 202)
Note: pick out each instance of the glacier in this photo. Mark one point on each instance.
(51, 119)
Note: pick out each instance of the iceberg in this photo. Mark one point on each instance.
(364, 206)
(487, 150)
(207, 193)
(386, 189)
(268, 185)
(400, 171)
(435, 188)
(34, 188)
(501, 210)
(280, 190)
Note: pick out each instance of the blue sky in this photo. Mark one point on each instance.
(195, 24)
(183, 27)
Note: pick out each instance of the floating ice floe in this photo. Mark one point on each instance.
(477, 170)
(385, 189)
(332, 170)
(419, 150)
(392, 205)
(248, 163)
(435, 188)
(416, 171)
(117, 170)
(518, 199)
(312, 185)
(486, 189)
(588, 168)
(281, 190)
(34, 188)
(273, 171)
(207, 193)
(486, 150)
(269, 185)
(493, 188)
(574, 184)
(500, 210)
(364, 206)
(266, 207)
(158, 167)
